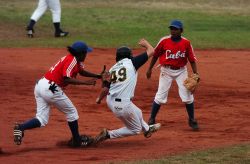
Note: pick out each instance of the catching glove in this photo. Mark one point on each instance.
(105, 77)
(191, 83)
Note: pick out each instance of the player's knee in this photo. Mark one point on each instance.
(160, 101)
(43, 121)
(188, 101)
(137, 130)
(72, 117)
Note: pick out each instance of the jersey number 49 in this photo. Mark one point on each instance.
(118, 76)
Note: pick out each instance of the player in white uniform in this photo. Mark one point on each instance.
(120, 91)
(55, 8)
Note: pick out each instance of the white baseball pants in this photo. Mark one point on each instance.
(167, 75)
(129, 114)
(45, 98)
(54, 6)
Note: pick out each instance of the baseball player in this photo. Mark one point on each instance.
(55, 8)
(174, 52)
(49, 91)
(120, 91)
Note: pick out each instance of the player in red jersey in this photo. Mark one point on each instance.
(49, 91)
(174, 52)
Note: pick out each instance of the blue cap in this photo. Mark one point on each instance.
(177, 24)
(80, 46)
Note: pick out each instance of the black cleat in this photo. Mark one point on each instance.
(193, 124)
(84, 141)
(18, 134)
(102, 136)
(30, 32)
(61, 34)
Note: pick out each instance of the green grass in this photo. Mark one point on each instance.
(208, 23)
(229, 155)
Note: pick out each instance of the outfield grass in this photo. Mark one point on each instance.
(208, 23)
(229, 155)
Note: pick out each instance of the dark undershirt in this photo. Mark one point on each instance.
(139, 60)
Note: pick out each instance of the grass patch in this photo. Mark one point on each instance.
(208, 24)
(229, 155)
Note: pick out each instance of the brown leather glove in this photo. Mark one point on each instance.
(191, 83)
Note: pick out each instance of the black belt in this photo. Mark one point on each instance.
(118, 100)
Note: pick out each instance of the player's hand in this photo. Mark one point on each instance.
(143, 42)
(98, 100)
(148, 74)
(91, 82)
(103, 71)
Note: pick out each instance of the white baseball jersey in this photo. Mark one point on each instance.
(123, 79)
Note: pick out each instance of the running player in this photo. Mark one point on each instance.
(49, 91)
(55, 7)
(120, 91)
(174, 52)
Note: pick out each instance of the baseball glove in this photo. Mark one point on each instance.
(191, 83)
(105, 77)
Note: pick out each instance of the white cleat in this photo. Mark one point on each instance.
(152, 129)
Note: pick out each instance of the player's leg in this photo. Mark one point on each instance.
(41, 118)
(147, 129)
(122, 109)
(165, 81)
(55, 8)
(39, 11)
(64, 104)
(187, 98)
(126, 113)
(132, 118)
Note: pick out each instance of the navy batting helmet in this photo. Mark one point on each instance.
(123, 52)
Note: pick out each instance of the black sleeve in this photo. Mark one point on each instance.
(139, 60)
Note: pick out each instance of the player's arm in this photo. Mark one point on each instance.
(104, 92)
(194, 67)
(79, 82)
(149, 49)
(157, 52)
(68, 70)
(141, 59)
(106, 82)
(152, 63)
(89, 74)
(192, 58)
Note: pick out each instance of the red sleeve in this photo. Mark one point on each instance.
(69, 67)
(191, 55)
(159, 49)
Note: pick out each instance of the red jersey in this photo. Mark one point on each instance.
(67, 66)
(174, 53)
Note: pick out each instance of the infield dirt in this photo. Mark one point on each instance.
(221, 101)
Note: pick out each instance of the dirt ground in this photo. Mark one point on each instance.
(221, 101)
